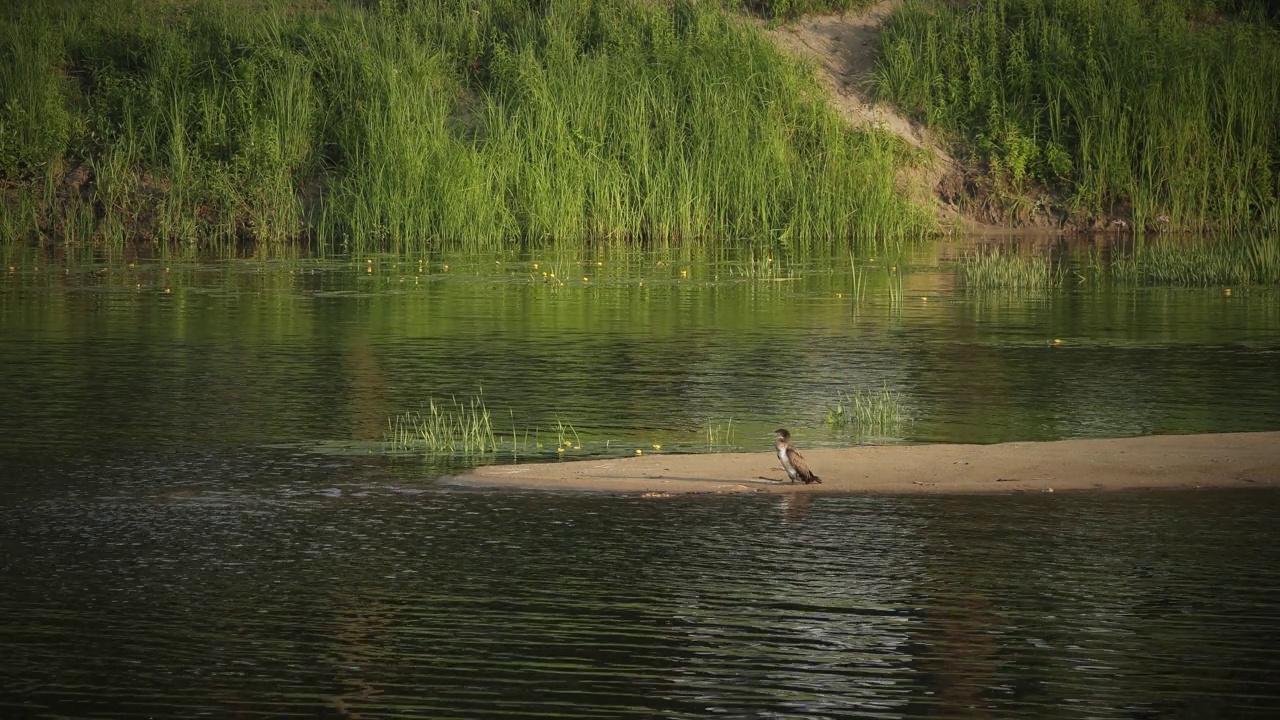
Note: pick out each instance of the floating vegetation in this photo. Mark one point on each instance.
(870, 413)
(456, 428)
(1006, 269)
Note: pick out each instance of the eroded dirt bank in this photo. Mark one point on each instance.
(1161, 461)
(844, 47)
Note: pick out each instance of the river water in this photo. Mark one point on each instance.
(198, 516)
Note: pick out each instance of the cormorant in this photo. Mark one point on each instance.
(792, 461)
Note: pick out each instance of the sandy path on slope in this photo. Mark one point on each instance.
(1160, 461)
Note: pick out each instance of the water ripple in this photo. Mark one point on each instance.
(476, 604)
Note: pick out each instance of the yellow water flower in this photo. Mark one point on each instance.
(559, 449)
(657, 446)
(639, 451)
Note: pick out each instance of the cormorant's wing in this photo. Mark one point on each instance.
(802, 467)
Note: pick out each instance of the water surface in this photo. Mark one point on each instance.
(198, 518)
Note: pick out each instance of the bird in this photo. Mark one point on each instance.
(792, 461)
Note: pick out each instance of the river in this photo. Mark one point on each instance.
(199, 517)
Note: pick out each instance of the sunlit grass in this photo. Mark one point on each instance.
(1252, 259)
(456, 428)
(868, 413)
(1007, 269)
(1163, 111)
(792, 9)
(411, 126)
(721, 435)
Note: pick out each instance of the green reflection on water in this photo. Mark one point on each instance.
(634, 349)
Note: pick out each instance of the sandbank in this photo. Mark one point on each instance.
(1157, 461)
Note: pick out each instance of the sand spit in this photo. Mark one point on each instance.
(1159, 461)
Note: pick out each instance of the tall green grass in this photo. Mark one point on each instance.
(1168, 111)
(426, 123)
(793, 9)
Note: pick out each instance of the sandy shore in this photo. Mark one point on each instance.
(1160, 461)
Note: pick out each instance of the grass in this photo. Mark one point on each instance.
(721, 436)
(794, 9)
(1007, 269)
(870, 413)
(1251, 260)
(1166, 112)
(410, 126)
(454, 429)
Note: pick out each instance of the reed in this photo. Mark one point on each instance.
(410, 126)
(721, 436)
(1249, 260)
(870, 413)
(1007, 269)
(456, 428)
(1167, 112)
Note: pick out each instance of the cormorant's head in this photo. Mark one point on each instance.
(782, 434)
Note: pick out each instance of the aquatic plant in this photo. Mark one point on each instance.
(720, 435)
(455, 428)
(413, 125)
(1168, 112)
(1253, 258)
(869, 413)
(1007, 269)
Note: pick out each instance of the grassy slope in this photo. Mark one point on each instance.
(1167, 111)
(421, 123)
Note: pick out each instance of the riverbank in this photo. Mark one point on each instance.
(347, 127)
(1161, 461)
(405, 128)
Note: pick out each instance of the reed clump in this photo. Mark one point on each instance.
(1253, 259)
(1165, 112)
(1007, 269)
(456, 428)
(870, 413)
(413, 125)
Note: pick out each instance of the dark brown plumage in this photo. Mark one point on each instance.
(792, 461)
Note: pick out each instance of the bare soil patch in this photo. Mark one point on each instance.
(844, 48)
(1161, 461)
